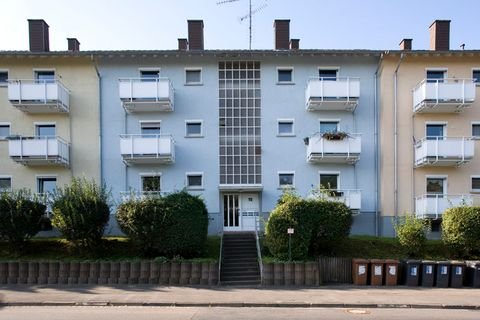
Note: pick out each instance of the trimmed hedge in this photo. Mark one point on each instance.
(461, 230)
(320, 226)
(20, 217)
(176, 224)
(412, 235)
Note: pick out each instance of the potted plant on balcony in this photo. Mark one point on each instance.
(335, 135)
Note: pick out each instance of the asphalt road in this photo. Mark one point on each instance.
(166, 313)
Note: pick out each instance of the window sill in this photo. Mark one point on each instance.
(195, 188)
(282, 83)
(195, 136)
(288, 187)
(194, 84)
(286, 135)
(476, 191)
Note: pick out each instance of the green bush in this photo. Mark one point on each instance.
(81, 211)
(174, 225)
(412, 235)
(461, 230)
(320, 227)
(19, 217)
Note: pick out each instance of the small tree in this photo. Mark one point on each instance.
(20, 216)
(81, 211)
(412, 234)
(461, 230)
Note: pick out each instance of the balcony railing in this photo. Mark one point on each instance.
(443, 95)
(322, 150)
(49, 150)
(443, 151)
(39, 96)
(352, 198)
(146, 95)
(147, 149)
(338, 94)
(139, 195)
(433, 205)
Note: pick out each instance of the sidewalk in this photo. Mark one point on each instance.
(331, 296)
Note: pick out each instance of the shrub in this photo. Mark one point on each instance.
(412, 235)
(173, 225)
(461, 230)
(81, 211)
(19, 217)
(320, 227)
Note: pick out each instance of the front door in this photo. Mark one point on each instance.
(240, 212)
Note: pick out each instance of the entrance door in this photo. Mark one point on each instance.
(231, 212)
(240, 212)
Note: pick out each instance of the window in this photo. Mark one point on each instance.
(435, 75)
(150, 183)
(285, 128)
(475, 130)
(45, 76)
(5, 184)
(195, 180)
(328, 126)
(436, 186)
(328, 74)
(435, 131)
(149, 75)
(329, 181)
(45, 130)
(285, 179)
(193, 128)
(193, 76)
(3, 78)
(46, 184)
(4, 130)
(476, 184)
(150, 128)
(475, 76)
(285, 75)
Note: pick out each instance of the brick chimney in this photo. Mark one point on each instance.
(440, 35)
(282, 34)
(73, 44)
(195, 34)
(38, 35)
(406, 45)
(182, 44)
(294, 44)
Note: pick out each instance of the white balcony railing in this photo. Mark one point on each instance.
(443, 95)
(39, 96)
(49, 150)
(443, 151)
(149, 148)
(433, 205)
(352, 198)
(146, 95)
(339, 94)
(347, 150)
(139, 195)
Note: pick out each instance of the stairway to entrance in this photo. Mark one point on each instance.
(239, 260)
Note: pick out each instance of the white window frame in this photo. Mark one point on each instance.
(444, 123)
(45, 176)
(445, 71)
(471, 129)
(6, 176)
(35, 70)
(328, 68)
(194, 121)
(193, 83)
(148, 69)
(141, 175)
(286, 186)
(337, 173)
(473, 69)
(5, 84)
(9, 130)
(438, 176)
(339, 128)
(41, 123)
(142, 122)
(471, 182)
(292, 81)
(194, 173)
(285, 120)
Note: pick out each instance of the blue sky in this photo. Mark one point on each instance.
(320, 24)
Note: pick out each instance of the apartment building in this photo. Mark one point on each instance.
(430, 120)
(49, 115)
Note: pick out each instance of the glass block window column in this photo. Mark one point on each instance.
(239, 123)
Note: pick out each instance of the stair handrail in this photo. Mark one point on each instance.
(259, 251)
(220, 259)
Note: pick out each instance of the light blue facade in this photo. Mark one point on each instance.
(278, 101)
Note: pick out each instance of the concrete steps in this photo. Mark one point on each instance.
(239, 260)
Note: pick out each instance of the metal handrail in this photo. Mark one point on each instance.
(147, 135)
(442, 138)
(317, 78)
(39, 81)
(445, 80)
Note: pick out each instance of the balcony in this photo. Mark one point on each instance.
(443, 151)
(323, 150)
(351, 198)
(147, 149)
(146, 95)
(140, 195)
(39, 96)
(443, 95)
(39, 151)
(340, 94)
(433, 206)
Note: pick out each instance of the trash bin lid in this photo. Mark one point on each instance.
(414, 261)
(376, 261)
(457, 263)
(429, 262)
(443, 263)
(359, 260)
(392, 261)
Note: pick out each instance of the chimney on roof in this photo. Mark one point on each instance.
(440, 35)
(282, 34)
(38, 35)
(182, 44)
(294, 44)
(406, 45)
(73, 44)
(195, 34)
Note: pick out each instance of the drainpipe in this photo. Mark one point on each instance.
(395, 134)
(376, 146)
(99, 77)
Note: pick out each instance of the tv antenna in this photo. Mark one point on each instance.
(248, 16)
